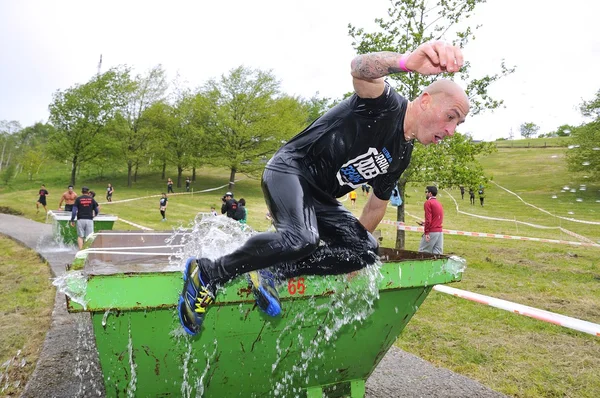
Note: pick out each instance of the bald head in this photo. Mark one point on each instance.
(436, 113)
(447, 87)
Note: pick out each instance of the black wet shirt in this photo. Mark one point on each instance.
(85, 206)
(163, 202)
(360, 140)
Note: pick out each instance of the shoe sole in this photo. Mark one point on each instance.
(181, 302)
(180, 306)
(273, 307)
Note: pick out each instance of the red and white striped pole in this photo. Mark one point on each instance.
(546, 316)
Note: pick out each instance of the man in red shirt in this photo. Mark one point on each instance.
(433, 237)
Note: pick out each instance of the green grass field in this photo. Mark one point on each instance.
(510, 353)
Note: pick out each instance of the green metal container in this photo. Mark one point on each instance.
(64, 232)
(314, 349)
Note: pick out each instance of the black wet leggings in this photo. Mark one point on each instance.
(301, 221)
(162, 213)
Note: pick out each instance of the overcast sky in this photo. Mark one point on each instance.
(51, 45)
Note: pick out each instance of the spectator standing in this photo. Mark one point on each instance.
(69, 198)
(241, 214)
(169, 185)
(187, 184)
(213, 211)
(109, 192)
(433, 237)
(472, 196)
(481, 193)
(43, 192)
(229, 205)
(462, 192)
(162, 206)
(85, 209)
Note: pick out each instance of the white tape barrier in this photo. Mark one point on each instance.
(546, 211)
(171, 194)
(110, 249)
(129, 253)
(136, 225)
(573, 234)
(401, 226)
(546, 316)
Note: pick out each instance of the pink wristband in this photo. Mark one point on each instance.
(402, 63)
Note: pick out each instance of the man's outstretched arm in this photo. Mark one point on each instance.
(431, 58)
(373, 213)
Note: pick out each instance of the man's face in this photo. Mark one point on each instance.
(442, 113)
(70, 189)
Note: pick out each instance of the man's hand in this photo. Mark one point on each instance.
(72, 223)
(427, 237)
(433, 58)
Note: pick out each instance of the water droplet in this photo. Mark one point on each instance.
(586, 163)
(570, 213)
(579, 200)
(566, 188)
(573, 146)
(554, 196)
(596, 149)
(573, 190)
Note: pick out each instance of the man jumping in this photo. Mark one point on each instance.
(367, 138)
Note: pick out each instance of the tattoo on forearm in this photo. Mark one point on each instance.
(376, 65)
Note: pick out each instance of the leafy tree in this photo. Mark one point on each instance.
(179, 132)
(130, 129)
(8, 140)
(584, 154)
(81, 113)
(410, 23)
(529, 130)
(563, 131)
(247, 118)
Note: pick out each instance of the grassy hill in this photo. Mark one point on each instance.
(516, 355)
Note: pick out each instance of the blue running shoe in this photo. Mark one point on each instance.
(265, 293)
(195, 297)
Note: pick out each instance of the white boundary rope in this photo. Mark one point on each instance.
(546, 211)
(401, 226)
(546, 316)
(178, 193)
(136, 225)
(573, 234)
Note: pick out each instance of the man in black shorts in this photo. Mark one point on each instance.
(42, 199)
(367, 138)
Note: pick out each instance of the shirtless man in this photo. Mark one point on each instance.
(69, 198)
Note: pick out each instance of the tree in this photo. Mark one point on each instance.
(81, 113)
(409, 24)
(584, 155)
(247, 118)
(529, 130)
(563, 131)
(130, 129)
(179, 131)
(8, 140)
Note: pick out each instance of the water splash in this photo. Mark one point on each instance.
(455, 266)
(74, 285)
(132, 386)
(586, 163)
(349, 305)
(210, 237)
